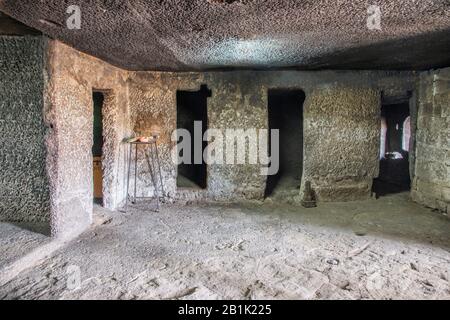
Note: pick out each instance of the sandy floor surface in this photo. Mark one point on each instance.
(17, 240)
(388, 248)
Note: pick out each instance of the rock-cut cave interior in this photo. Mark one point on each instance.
(212, 149)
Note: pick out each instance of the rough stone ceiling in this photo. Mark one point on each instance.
(11, 27)
(257, 34)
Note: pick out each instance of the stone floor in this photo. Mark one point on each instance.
(388, 248)
(18, 240)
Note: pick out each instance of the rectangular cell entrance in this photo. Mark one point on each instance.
(394, 174)
(285, 111)
(192, 108)
(98, 99)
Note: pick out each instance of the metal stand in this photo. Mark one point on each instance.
(152, 159)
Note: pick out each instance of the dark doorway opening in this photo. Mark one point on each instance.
(394, 176)
(97, 147)
(192, 106)
(285, 112)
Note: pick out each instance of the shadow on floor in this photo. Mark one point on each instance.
(384, 188)
(41, 228)
(17, 240)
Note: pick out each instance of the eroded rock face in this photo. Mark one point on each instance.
(24, 187)
(339, 106)
(72, 78)
(342, 141)
(341, 119)
(198, 35)
(431, 185)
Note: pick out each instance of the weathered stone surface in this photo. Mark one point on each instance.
(24, 191)
(194, 35)
(342, 140)
(72, 77)
(11, 27)
(338, 104)
(432, 180)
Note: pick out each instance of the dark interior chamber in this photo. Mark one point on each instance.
(192, 107)
(394, 176)
(285, 112)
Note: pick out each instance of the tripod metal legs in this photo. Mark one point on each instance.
(159, 169)
(152, 159)
(128, 178)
